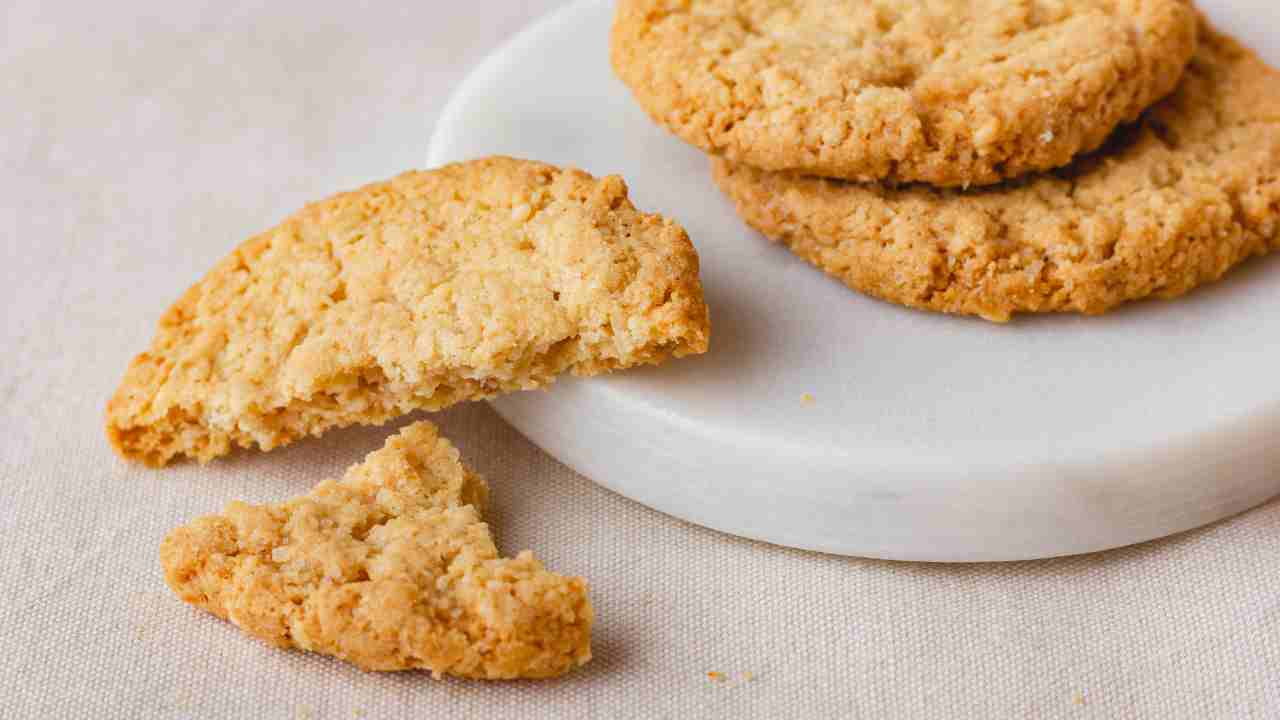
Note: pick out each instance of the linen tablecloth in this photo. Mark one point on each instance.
(139, 143)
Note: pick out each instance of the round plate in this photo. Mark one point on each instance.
(827, 420)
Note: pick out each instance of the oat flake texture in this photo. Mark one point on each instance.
(416, 293)
(948, 92)
(390, 568)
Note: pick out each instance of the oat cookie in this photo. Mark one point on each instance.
(948, 92)
(390, 568)
(1170, 204)
(419, 292)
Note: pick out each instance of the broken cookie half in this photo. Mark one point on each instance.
(390, 568)
(415, 293)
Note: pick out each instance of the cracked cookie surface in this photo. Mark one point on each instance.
(1172, 203)
(390, 568)
(948, 92)
(431, 288)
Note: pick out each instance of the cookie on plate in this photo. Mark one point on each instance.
(947, 92)
(1170, 204)
(390, 568)
(419, 292)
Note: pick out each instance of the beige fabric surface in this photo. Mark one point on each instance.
(140, 143)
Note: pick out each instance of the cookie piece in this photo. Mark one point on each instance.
(390, 568)
(1172, 203)
(948, 92)
(435, 287)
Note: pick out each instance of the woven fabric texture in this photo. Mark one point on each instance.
(140, 143)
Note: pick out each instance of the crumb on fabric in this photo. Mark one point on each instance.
(719, 677)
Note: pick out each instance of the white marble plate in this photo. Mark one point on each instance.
(928, 437)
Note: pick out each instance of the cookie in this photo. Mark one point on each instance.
(1170, 204)
(947, 92)
(389, 568)
(434, 287)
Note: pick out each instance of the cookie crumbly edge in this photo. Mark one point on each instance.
(141, 427)
(390, 569)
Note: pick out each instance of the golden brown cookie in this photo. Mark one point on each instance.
(1170, 204)
(948, 92)
(434, 287)
(390, 568)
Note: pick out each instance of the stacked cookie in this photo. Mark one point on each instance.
(984, 157)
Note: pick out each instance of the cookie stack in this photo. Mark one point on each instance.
(983, 157)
